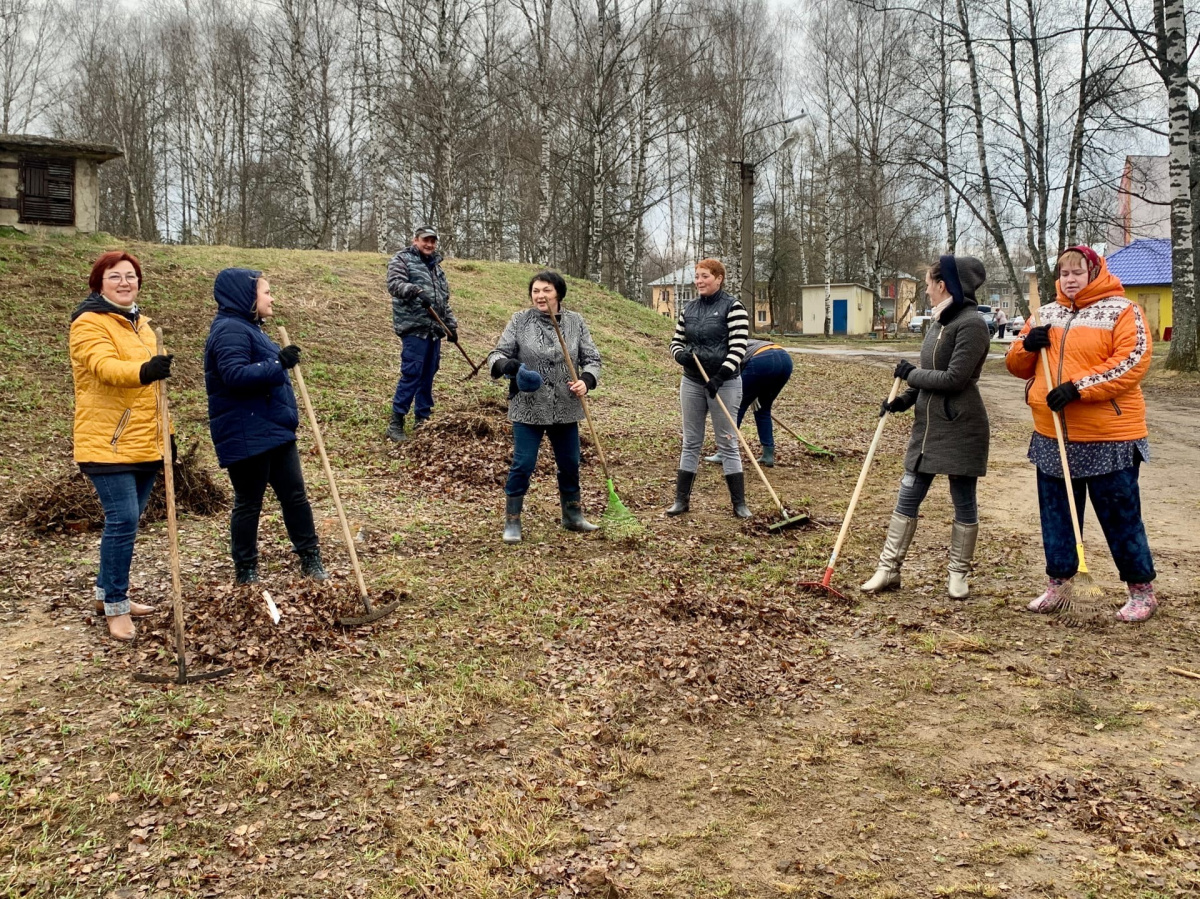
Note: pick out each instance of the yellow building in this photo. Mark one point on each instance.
(1144, 268)
(853, 308)
(679, 286)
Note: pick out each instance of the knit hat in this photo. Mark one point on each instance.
(528, 380)
(963, 275)
(1090, 255)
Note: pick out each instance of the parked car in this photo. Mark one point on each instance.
(989, 318)
(917, 323)
(1015, 324)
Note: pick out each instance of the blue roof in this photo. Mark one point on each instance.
(1146, 261)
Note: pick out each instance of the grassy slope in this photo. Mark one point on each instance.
(672, 715)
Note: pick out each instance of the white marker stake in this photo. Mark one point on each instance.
(272, 609)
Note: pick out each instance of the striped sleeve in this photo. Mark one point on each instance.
(738, 323)
(679, 341)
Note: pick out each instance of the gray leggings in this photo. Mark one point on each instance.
(915, 484)
(696, 404)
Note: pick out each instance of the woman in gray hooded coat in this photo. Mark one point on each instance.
(951, 433)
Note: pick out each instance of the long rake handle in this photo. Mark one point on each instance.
(437, 318)
(337, 499)
(587, 408)
(164, 431)
(746, 446)
(862, 479)
(1062, 452)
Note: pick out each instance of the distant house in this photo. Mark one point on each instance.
(1143, 202)
(51, 183)
(1144, 267)
(852, 313)
(667, 292)
(898, 298)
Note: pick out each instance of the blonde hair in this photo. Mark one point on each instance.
(1074, 256)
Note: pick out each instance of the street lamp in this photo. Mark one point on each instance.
(746, 170)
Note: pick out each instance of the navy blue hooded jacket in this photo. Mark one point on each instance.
(251, 407)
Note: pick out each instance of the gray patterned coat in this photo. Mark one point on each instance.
(530, 339)
(951, 431)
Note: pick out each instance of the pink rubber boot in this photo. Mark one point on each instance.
(1050, 601)
(1141, 606)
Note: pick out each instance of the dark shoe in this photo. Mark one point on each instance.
(512, 518)
(395, 429)
(767, 459)
(420, 423)
(737, 493)
(136, 609)
(247, 575)
(683, 491)
(572, 514)
(311, 566)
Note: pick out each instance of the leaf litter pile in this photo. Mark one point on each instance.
(69, 502)
(233, 624)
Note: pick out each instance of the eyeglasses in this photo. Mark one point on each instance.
(132, 278)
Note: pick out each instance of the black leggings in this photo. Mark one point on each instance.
(280, 468)
(915, 484)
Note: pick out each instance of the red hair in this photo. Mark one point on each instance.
(109, 260)
(713, 266)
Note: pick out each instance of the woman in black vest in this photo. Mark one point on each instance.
(714, 327)
(950, 434)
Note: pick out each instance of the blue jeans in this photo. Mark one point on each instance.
(763, 376)
(915, 484)
(420, 358)
(124, 497)
(1118, 505)
(527, 439)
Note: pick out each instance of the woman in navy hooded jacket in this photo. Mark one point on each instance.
(252, 417)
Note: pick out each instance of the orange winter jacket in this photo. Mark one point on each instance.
(116, 415)
(1099, 341)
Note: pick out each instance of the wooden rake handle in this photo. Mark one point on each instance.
(587, 408)
(164, 432)
(337, 499)
(474, 368)
(1062, 449)
(862, 478)
(746, 446)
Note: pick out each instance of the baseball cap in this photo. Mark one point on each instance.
(426, 231)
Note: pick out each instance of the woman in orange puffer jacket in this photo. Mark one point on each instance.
(1099, 350)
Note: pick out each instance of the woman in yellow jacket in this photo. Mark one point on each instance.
(117, 442)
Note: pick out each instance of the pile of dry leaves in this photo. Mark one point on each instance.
(233, 624)
(69, 502)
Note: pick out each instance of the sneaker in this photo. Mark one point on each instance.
(247, 575)
(1051, 600)
(312, 567)
(1141, 605)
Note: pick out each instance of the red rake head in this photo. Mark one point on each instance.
(823, 585)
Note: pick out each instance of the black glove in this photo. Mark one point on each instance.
(425, 298)
(1064, 393)
(174, 451)
(438, 331)
(684, 358)
(157, 368)
(902, 403)
(289, 356)
(715, 383)
(904, 368)
(1037, 338)
(510, 368)
(452, 336)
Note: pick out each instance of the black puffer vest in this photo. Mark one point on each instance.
(706, 329)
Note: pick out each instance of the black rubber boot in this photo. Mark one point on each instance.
(247, 575)
(683, 491)
(737, 493)
(312, 567)
(512, 518)
(572, 514)
(767, 459)
(395, 429)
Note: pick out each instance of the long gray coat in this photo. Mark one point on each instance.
(951, 431)
(529, 338)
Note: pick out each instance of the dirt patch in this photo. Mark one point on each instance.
(68, 502)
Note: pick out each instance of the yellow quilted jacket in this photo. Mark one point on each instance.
(116, 415)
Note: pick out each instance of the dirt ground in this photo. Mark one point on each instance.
(670, 715)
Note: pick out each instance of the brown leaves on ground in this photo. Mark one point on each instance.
(68, 502)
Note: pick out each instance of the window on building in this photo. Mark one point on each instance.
(762, 316)
(47, 191)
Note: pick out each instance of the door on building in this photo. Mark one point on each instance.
(839, 316)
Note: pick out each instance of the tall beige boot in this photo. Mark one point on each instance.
(962, 551)
(895, 548)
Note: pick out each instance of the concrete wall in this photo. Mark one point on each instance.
(87, 197)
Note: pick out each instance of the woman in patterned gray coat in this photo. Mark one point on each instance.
(543, 401)
(950, 435)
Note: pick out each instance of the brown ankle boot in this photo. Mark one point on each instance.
(136, 609)
(121, 628)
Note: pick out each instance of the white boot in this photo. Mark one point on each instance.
(895, 548)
